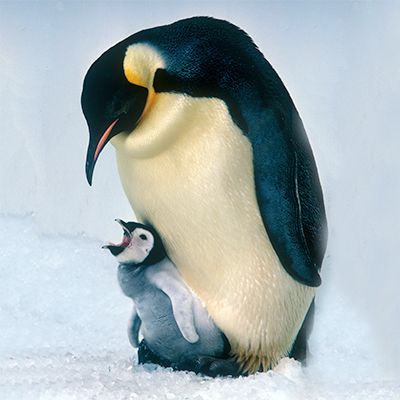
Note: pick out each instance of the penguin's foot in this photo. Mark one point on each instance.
(211, 366)
(214, 367)
(205, 365)
(146, 356)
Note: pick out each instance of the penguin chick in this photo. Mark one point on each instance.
(177, 330)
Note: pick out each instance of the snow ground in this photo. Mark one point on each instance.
(63, 335)
(62, 316)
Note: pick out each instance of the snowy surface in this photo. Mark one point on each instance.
(62, 316)
(63, 335)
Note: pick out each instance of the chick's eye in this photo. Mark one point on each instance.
(143, 237)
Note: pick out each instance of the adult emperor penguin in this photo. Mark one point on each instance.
(211, 151)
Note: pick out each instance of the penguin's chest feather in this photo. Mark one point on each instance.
(188, 170)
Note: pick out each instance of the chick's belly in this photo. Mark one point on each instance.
(158, 328)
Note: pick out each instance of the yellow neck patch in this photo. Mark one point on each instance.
(140, 64)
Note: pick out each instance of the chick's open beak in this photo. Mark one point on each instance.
(114, 248)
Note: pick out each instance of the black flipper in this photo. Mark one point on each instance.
(289, 194)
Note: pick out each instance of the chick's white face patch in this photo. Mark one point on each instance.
(139, 247)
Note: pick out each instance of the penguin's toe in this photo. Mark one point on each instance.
(214, 367)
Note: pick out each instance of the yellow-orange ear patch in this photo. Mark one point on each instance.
(134, 78)
(140, 64)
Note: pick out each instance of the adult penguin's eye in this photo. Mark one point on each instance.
(143, 237)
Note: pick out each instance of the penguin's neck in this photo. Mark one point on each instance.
(159, 127)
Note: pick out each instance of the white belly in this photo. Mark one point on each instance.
(188, 170)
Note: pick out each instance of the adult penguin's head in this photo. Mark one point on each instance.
(110, 102)
(200, 56)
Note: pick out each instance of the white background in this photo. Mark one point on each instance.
(339, 60)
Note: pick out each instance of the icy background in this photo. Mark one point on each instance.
(62, 316)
